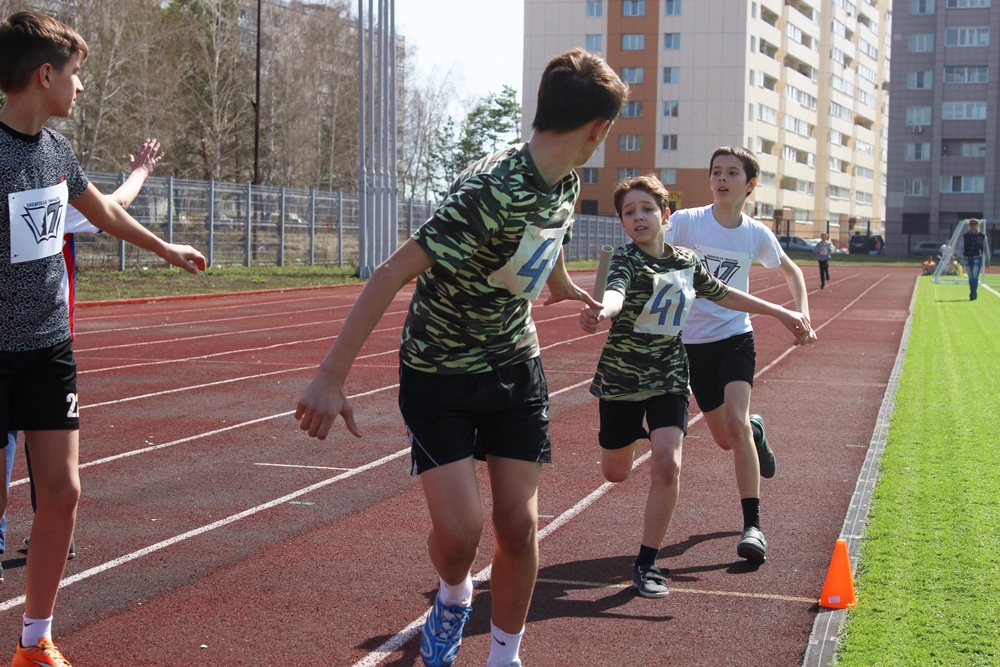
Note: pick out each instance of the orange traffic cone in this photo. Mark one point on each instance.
(838, 591)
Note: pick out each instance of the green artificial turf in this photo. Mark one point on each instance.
(929, 574)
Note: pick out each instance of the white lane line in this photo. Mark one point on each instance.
(987, 287)
(223, 334)
(293, 465)
(676, 589)
(135, 310)
(104, 567)
(153, 448)
(188, 323)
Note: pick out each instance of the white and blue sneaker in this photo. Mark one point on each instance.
(442, 634)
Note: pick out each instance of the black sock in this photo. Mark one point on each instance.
(647, 555)
(757, 433)
(751, 512)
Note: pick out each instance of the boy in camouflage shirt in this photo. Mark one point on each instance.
(471, 382)
(643, 370)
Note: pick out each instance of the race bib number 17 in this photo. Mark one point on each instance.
(36, 222)
(524, 275)
(666, 311)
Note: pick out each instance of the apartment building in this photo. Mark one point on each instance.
(804, 84)
(941, 167)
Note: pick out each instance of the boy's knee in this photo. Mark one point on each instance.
(737, 430)
(516, 529)
(64, 499)
(666, 470)
(458, 543)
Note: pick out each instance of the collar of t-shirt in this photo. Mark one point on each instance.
(536, 175)
(21, 136)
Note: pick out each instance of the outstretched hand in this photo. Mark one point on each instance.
(799, 325)
(185, 257)
(570, 291)
(148, 158)
(320, 404)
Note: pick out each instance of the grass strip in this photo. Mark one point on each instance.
(928, 584)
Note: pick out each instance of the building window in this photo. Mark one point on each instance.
(767, 114)
(967, 4)
(966, 74)
(921, 43)
(629, 172)
(589, 176)
(921, 6)
(864, 147)
(843, 85)
(864, 173)
(867, 49)
(918, 115)
(979, 36)
(668, 176)
(669, 142)
(595, 8)
(839, 29)
(632, 74)
(916, 187)
(866, 98)
(633, 42)
(634, 8)
(837, 56)
(672, 7)
(840, 111)
(671, 41)
(962, 184)
(630, 143)
(868, 74)
(973, 150)
(963, 111)
(632, 110)
(595, 42)
(671, 74)
(671, 108)
(766, 179)
(588, 207)
(918, 152)
(797, 126)
(753, 43)
(765, 210)
(838, 165)
(863, 197)
(919, 80)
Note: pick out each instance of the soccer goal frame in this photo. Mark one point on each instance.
(941, 274)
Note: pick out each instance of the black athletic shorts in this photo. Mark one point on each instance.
(714, 365)
(38, 390)
(503, 413)
(621, 421)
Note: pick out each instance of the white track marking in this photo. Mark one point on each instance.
(675, 589)
(987, 287)
(188, 323)
(111, 564)
(294, 465)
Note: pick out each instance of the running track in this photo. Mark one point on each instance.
(212, 530)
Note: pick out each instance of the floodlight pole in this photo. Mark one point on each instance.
(256, 106)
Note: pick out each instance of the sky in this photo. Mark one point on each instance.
(461, 35)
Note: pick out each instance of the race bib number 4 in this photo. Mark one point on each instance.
(524, 275)
(666, 311)
(36, 222)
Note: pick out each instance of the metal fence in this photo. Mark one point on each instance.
(254, 225)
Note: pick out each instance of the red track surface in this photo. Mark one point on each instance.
(327, 576)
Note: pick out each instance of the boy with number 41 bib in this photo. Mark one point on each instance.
(642, 372)
(471, 382)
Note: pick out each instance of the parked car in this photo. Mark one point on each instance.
(925, 248)
(861, 244)
(795, 243)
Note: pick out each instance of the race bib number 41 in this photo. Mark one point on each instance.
(666, 311)
(524, 275)
(36, 222)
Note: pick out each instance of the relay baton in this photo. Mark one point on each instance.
(603, 264)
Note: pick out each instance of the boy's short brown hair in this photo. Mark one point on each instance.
(578, 87)
(649, 184)
(750, 164)
(29, 40)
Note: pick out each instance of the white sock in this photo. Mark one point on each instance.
(504, 648)
(459, 595)
(34, 629)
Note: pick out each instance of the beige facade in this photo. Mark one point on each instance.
(802, 85)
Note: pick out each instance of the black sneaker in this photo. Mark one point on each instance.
(752, 545)
(70, 556)
(764, 454)
(650, 581)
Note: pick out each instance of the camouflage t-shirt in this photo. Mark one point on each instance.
(644, 355)
(494, 241)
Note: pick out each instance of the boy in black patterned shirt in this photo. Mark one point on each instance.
(40, 60)
(643, 370)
